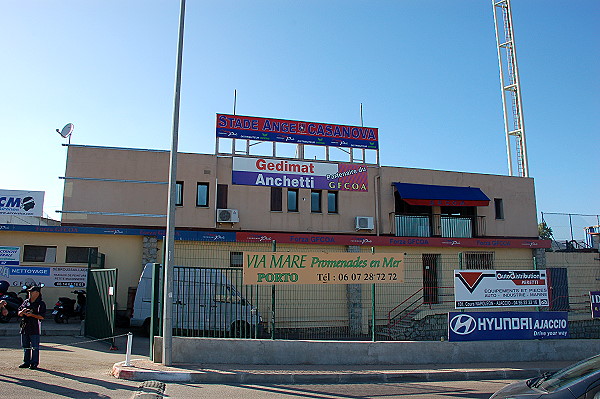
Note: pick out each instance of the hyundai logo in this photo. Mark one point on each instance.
(463, 324)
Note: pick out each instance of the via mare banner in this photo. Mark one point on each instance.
(322, 268)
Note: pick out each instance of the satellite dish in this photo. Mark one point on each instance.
(66, 131)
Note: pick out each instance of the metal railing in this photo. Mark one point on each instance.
(437, 225)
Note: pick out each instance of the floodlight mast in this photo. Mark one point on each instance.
(510, 87)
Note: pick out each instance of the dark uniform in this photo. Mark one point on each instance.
(30, 330)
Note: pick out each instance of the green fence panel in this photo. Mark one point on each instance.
(101, 300)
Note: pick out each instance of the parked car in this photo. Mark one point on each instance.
(579, 381)
(206, 301)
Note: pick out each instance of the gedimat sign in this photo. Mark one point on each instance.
(322, 268)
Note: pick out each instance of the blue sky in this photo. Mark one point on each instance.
(426, 72)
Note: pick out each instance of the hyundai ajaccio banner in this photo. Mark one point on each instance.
(479, 326)
(24, 203)
(299, 174)
(500, 288)
(296, 132)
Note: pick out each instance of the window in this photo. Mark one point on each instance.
(292, 200)
(236, 259)
(179, 193)
(39, 253)
(478, 260)
(315, 201)
(202, 195)
(222, 196)
(332, 202)
(276, 197)
(499, 208)
(81, 254)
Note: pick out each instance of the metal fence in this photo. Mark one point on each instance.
(570, 230)
(212, 300)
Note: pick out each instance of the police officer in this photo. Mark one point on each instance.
(32, 312)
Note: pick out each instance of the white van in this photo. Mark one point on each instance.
(203, 300)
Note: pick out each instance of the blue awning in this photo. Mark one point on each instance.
(432, 195)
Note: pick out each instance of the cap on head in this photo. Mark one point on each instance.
(35, 288)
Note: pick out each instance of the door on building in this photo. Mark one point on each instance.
(430, 278)
(558, 288)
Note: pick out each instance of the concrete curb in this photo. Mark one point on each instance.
(282, 376)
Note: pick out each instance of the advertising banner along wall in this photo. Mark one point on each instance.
(296, 132)
(479, 326)
(24, 203)
(322, 268)
(595, 304)
(299, 174)
(19, 276)
(10, 256)
(500, 288)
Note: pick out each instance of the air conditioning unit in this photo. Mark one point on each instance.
(363, 223)
(227, 216)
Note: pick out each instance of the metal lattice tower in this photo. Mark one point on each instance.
(511, 88)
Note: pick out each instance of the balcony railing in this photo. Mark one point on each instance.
(437, 225)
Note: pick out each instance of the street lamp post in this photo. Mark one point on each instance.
(170, 237)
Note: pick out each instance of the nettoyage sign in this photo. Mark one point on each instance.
(298, 132)
(322, 268)
(54, 276)
(298, 174)
(23, 203)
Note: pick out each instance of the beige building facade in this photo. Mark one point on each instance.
(115, 201)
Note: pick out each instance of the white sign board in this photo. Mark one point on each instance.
(19, 276)
(500, 288)
(10, 256)
(24, 203)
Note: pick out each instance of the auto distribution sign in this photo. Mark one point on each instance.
(500, 288)
(299, 174)
(480, 326)
(296, 132)
(291, 268)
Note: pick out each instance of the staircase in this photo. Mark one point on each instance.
(401, 317)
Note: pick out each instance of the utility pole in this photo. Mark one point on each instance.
(170, 237)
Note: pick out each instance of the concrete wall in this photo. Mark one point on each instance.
(235, 351)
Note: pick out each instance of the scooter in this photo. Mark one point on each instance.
(66, 307)
(13, 301)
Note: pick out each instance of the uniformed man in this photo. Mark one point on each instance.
(32, 312)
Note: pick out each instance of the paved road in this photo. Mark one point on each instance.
(74, 368)
(406, 390)
(80, 371)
